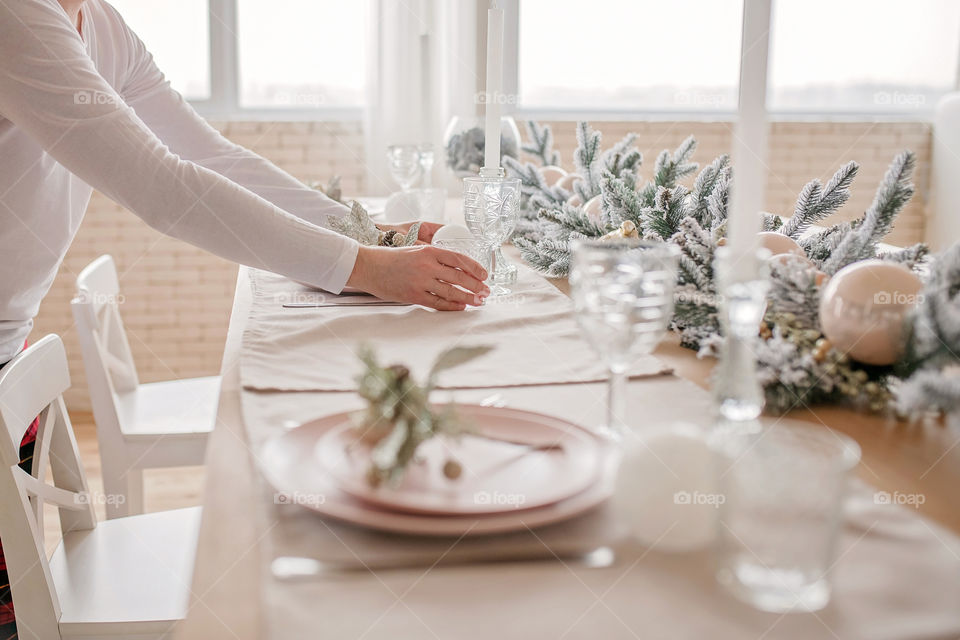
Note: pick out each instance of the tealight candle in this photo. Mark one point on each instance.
(667, 488)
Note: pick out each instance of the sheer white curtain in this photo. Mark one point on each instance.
(426, 65)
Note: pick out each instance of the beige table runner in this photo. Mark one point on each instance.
(314, 349)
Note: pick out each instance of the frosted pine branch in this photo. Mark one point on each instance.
(704, 185)
(894, 192)
(586, 159)
(816, 202)
(541, 143)
(669, 169)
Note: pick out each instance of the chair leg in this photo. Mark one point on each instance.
(134, 491)
(115, 489)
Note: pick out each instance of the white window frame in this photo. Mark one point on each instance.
(511, 71)
(224, 101)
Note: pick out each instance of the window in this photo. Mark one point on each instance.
(862, 55)
(826, 56)
(301, 53)
(611, 55)
(177, 33)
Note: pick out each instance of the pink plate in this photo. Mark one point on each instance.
(496, 476)
(288, 462)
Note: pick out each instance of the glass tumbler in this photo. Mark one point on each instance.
(784, 490)
(491, 206)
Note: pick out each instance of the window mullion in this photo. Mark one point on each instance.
(224, 61)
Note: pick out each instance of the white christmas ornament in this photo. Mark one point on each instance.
(864, 307)
(667, 488)
(552, 174)
(779, 243)
(592, 208)
(452, 232)
(566, 182)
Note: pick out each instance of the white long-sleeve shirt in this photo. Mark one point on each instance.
(91, 110)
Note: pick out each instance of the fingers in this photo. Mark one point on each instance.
(463, 279)
(462, 262)
(427, 231)
(453, 294)
(441, 304)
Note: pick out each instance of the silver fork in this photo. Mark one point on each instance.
(300, 568)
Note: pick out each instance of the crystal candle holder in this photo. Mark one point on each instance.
(491, 206)
(743, 300)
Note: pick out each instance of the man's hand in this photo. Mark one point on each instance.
(427, 229)
(420, 274)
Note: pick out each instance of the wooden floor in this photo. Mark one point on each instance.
(163, 488)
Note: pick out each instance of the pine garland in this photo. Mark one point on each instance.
(796, 363)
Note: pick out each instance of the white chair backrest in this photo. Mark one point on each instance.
(32, 385)
(96, 311)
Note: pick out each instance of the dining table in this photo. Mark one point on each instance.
(897, 572)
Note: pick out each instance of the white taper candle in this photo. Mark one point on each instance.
(749, 153)
(491, 157)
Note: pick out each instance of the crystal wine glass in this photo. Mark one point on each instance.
(427, 157)
(491, 206)
(623, 297)
(403, 160)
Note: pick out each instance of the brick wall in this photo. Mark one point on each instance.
(178, 298)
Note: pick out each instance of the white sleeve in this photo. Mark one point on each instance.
(188, 135)
(50, 88)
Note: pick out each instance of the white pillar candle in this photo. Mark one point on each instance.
(491, 158)
(749, 153)
(667, 489)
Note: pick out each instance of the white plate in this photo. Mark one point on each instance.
(496, 476)
(289, 464)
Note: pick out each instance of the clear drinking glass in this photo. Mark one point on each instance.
(427, 158)
(403, 160)
(470, 248)
(623, 297)
(779, 522)
(491, 206)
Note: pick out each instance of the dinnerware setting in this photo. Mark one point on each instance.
(557, 471)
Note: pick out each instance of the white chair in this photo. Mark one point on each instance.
(127, 577)
(139, 426)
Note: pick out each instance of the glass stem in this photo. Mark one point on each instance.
(493, 265)
(616, 401)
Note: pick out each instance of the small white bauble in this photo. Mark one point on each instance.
(779, 243)
(551, 174)
(452, 232)
(667, 490)
(566, 182)
(864, 307)
(574, 201)
(592, 208)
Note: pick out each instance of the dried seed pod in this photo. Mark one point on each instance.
(452, 469)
